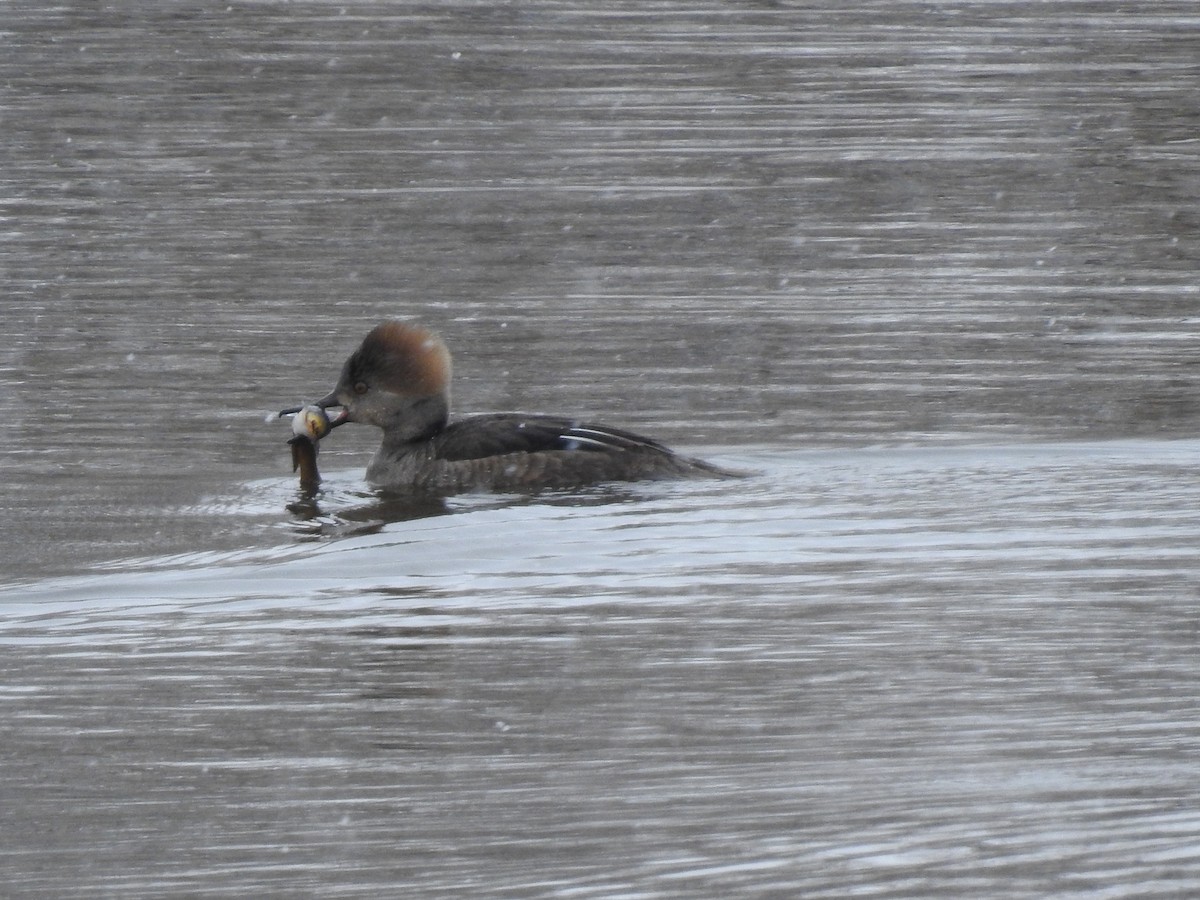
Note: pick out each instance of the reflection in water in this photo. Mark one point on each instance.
(364, 518)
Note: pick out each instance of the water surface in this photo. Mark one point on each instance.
(927, 269)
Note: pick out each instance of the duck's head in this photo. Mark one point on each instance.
(398, 380)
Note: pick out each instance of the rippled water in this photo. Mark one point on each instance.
(927, 270)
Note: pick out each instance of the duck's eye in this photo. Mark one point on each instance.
(360, 387)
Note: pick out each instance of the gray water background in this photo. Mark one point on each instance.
(928, 269)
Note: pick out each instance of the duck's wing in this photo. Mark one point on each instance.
(494, 435)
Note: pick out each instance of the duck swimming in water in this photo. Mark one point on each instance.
(399, 381)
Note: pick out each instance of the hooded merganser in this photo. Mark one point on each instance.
(399, 380)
